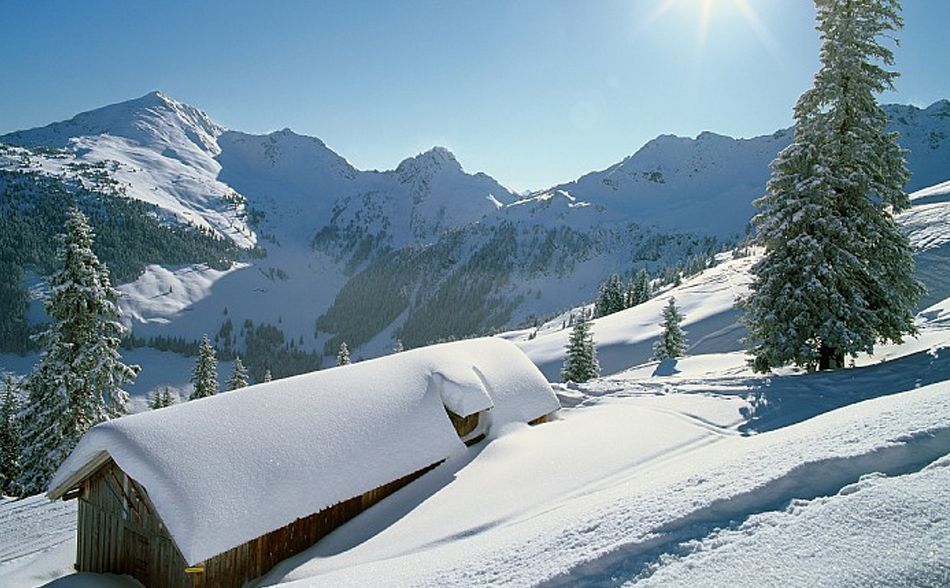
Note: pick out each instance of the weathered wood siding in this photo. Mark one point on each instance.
(119, 532)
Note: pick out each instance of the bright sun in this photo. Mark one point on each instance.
(703, 10)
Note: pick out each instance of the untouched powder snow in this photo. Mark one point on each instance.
(651, 465)
(858, 537)
(229, 468)
(609, 529)
(161, 294)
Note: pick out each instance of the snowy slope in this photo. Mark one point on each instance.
(708, 300)
(645, 475)
(669, 469)
(829, 541)
(659, 479)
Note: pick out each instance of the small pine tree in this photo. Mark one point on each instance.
(238, 377)
(398, 348)
(204, 377)
(9, 438)
(160, 398)
(343, 357)
(78, 380)
(672, 341)
(639, 289)
(611, 297)
(267, 375)
(580, 364)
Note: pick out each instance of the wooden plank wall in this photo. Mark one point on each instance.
(120, 533)
(256, 557)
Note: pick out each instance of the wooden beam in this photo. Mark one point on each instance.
(81, 474)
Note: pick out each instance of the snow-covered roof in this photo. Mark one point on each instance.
(226, 469)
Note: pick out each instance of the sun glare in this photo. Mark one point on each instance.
(704, 12)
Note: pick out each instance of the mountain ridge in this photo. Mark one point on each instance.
(424, 235)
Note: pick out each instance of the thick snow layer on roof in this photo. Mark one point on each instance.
(229, 468)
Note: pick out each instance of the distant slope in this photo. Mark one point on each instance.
(626, 338)
(707, 184)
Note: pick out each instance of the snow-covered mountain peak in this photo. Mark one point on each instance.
(152, 120)
(435, 160)
(284, 149)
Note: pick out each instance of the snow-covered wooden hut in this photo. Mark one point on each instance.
(228, 486)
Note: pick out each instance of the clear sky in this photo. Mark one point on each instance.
(532, 92)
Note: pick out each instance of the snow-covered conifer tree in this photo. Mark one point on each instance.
(160, 398)
(580, 364)
(9, 438)
(398, 347)
(238, 377)
(204, 376)
(78, 380)
(155, 400)
(672, 341)
(611, 297)
(639, 290)
(837, 275)
(267, 375)
(343, 357)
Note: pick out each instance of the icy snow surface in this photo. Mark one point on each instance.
(229, 468)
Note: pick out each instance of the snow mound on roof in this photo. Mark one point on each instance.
(229, 468)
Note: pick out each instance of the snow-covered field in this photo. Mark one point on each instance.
(687, 473)
(649, 477)
(708, 476)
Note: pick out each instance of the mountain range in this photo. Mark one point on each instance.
(279, 231)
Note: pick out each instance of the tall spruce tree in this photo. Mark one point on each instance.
(238, 377)
(343, 357)
(580, 364)
(837, 275)
(672, 341)
(78, 380)
(204, 376)
(9, 438)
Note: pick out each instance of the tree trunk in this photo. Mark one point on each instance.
(829, 358)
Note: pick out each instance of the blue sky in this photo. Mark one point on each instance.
(532, 92)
